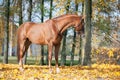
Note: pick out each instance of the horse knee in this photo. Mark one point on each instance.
(49, 57)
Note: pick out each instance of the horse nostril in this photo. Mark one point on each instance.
(78, 32)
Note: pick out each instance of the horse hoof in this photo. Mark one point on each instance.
(21, 69)
(50, 71)
(57, 70)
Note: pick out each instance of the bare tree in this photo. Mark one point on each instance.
(6, 29)
(74, 38)
(63, 52)
(81, 41)
(86, 53)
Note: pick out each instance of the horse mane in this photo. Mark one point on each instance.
(64, 16)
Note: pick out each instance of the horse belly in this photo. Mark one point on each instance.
(37, 39)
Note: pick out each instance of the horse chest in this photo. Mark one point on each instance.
(57, 40)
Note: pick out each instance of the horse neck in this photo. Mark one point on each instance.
(65, 23)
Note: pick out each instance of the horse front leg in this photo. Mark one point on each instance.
(50, 47)
(57, 47)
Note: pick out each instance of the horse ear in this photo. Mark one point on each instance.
(82, 18)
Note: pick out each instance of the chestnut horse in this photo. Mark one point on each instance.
(48, 33)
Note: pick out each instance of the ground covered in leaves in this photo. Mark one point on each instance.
(35, 72)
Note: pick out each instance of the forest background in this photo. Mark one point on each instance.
(105, 29)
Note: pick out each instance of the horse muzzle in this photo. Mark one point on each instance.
(80, 33)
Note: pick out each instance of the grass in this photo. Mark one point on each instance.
(34, 61)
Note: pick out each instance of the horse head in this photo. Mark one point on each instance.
(79, 26)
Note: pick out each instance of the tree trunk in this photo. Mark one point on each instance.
(80, 50)
(119, 5)
(73, 49)
(6, 29)
(86, 53)
(10, 40)
(81, 42)
(74, 38)
(63, 52)
(20, 12)
(30, 10)
(42, 47)
(51, 5)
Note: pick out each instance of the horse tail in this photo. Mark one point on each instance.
(18, 49)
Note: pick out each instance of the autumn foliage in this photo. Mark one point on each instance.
(106, 55)
(35, 72)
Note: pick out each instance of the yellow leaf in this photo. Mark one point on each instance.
(110, 53)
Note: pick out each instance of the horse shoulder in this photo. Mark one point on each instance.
(55, 31)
